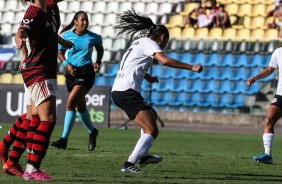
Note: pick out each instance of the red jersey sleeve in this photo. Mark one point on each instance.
(29, 20)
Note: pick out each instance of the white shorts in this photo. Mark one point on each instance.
(26, 96)
(40, 91)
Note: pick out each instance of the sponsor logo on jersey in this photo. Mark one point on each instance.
(274, 100)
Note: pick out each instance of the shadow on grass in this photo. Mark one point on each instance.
(253, 178)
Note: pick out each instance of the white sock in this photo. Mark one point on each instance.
(267, 142)
(143, 145)
(30, 168)
(141, 134)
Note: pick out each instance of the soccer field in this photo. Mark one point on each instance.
(189, 157)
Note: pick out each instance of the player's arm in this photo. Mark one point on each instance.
(151, 79)
(71, 70)
(100, 54)
(20, 38)
(61, 55)
(65, 43)
(265, 73)
(163, 59)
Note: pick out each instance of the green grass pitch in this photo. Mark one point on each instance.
(189, 157)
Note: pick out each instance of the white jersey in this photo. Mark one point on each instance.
(135, 63)
(276, 62)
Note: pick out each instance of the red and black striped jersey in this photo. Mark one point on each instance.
(42, 29)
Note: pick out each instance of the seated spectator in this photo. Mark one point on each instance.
(204, 20)
(277, 21)
(214, 9)
(198, 18)
(222, 18)
(271, 13)
(191, 18)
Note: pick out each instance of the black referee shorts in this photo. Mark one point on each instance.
(84, 76)
(130, 101)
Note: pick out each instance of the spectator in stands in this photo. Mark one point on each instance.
(205, 20)
(222, 18)
(192, 17)
(271, 13)
(199, 19)
(213, 8)
(277, 21)
(274, 112)
(80, 75)
(126, 90)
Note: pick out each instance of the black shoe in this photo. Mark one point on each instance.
(92, 139)
(61, 143)
(150, 159)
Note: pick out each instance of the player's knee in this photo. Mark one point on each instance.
(269, 123)
(70, 106)
(155, 132)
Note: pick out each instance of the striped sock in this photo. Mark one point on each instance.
(35, 121)
(40, 143)
(10, 136)
(20, 142)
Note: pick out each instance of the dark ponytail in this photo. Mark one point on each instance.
(24, 2)
(131, 23)
(70, 25)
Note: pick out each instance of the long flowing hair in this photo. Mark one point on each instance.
(130, 24)
(71, 24)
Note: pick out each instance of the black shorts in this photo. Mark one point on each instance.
(84, 76)
(130, 101)
(277, 101)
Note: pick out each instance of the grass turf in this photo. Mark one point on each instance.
(189, 157)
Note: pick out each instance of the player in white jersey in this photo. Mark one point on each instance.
(126, 91)
(275, 109)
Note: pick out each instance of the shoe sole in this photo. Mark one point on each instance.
(127, 171)
(264, 162)
(58, 147)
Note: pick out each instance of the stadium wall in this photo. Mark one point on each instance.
(13, 104)
(199, 117)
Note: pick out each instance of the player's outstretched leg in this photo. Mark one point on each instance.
(3, 153)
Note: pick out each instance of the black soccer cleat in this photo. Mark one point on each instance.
(129, 167)
(92, 140)
(150, 159)
(61, 143)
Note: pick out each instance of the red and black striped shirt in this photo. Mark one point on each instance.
(42, 29)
